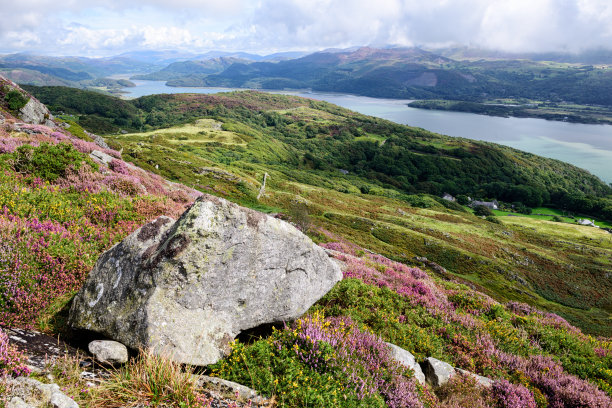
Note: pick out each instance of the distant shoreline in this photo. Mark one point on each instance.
(575, 114)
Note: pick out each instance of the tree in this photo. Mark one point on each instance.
(482, 211)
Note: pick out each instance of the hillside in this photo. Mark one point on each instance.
(308, 142)
(59, 215)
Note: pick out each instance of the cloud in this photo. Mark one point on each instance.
(270, 25)
(517, 25)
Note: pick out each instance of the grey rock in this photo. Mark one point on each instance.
(185, 289)
(36, 113)
(17, 402)
(483, 381)
(405, 358)
(108, 351)
(101, 157)
(98, 140)
(61, 400)
(229, 387)
(437, 373)
(28, 392)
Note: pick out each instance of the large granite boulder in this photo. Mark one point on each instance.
(187, 288)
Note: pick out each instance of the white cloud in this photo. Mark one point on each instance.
(113, 25)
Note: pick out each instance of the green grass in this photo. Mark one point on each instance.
(523, 258)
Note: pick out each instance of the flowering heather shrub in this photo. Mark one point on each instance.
(470, 330)
(8, 145)
(59, 136)
(361, 356)
(11, 360)
(30, 128)
(508, 395)
(119, 166)
(322, 362)
(377, 270)
(124, 185)
(83, 146)
(51, 233)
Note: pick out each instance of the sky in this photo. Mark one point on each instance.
(110, 27)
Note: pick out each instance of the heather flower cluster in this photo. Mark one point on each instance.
(323, 362)
(377, 270)
(362, 357)
(52, 231)
(508, 395)
(11, 360)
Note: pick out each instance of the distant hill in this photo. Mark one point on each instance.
(416, 74)
(586, 57)
(191, 68)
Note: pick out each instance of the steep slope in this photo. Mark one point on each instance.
(62, 204)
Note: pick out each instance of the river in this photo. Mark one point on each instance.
(586, 146)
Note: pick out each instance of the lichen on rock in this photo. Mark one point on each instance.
(188, 288)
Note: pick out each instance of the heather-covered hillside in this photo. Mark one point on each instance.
(421, 273)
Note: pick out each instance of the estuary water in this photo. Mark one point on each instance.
(586, 146)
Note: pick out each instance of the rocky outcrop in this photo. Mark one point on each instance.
(108, 351)
(437, 373)
(24, 392)
(405, 358)
(36, 113)
(187, 288)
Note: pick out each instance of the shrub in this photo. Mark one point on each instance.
(482, 211)
(119, 166)
(298, 214)
(463, 199)
(322, 362)
(493, 219)
(508, 395)
(48, 161)
(15, 99)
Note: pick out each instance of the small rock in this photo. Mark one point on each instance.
(108, 351)
(405, 358)
(60, 400)
(437, 373)
(17, 402)
(27, 392)
(101, 157)
(230, 387)
(84, 364)
(484, 381)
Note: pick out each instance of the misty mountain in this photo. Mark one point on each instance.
(588, 57)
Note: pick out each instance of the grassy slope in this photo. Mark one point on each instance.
(78, 215)
(557, 267)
